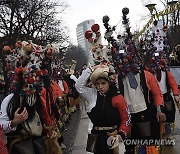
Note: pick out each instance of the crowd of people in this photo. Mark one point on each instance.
(127, 97)
(175, 56)
(133, 94)
(37, 99)
(132, 111)
(131, 101)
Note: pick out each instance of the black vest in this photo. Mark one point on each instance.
(104, 114)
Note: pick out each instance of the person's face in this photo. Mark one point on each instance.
(102, 85)
(84, 66)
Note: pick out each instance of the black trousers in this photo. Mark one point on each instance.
(170, 108)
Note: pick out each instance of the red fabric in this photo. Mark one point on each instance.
(56, 90)
(153, 86)
(172, 83)
(3, 148)
(49, 119)
(120, 103)
(66, 88)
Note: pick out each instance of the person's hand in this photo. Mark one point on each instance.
(53, 134)
(161, 117)
(176, 98)
(120, 138)
(19, 118)
(177, 101)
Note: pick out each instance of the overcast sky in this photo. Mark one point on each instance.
(81, 10)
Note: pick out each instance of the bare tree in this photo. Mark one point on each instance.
(32, 19)
(78, 54)
(173, 22)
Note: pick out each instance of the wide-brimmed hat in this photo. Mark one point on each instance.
(101, 72)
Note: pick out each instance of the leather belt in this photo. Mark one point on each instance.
(105, 128)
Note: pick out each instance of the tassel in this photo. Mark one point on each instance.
(60, 123)
(66, 110)
(152, 150)
(31, 99)
(136, 149)
(159, 148)
(148, 150)
(172, 127)
(28, 100)
(162, 129)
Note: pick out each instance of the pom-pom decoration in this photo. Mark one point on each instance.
(18, 44)
(155, 23)
(165, 28)
(98, 34)
(93, 36)
(28, 47)
(50, 50)
(7, 48)
(95, 28)
(88, 34)
(44, 72)
(125, 11)
(105, 19)
(90, 40)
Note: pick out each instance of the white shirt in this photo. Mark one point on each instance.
(88, 94)
(73, 78)
(60, 83)
(4, 118)
(162, 83)
(134, 97)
